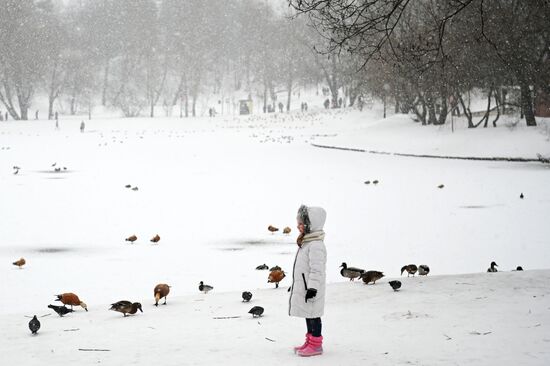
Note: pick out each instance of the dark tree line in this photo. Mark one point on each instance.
(428, 55)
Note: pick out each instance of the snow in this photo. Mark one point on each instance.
(210, 188)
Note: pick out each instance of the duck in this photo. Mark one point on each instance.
(441, 186)
(287, 230)
(492, 268)
(34, 325)
(375, 182)
(69, 298)
(126, 307)
(367, 182)
(205, 288)
(410, 268)
(161, 290)
(371, 276)
(351, 272)
(20, 262)
(261, 267)
(423, 270)
(276, 276)
(60, 310)
(396, 285)
(155, 239)
(131, 238)
(275, 268)
(272, 228)
(128, 186)
(135, 188)
(247, 296)
(256, 311)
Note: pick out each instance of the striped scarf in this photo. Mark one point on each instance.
(306, 238)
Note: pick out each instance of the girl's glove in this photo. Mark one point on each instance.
(311, 293)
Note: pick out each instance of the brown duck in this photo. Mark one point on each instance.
(126, 307)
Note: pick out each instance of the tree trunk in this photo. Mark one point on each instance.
(527, 103)
(105, 83)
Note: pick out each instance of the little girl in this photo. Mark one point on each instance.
(307, 295)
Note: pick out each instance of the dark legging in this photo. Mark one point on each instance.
(314, 326)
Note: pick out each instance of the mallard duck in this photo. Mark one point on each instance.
(287, 230)
(275, 268)
(396, 285)
(492, 268)
(275, 277)
(410, 268)
(34, 325)
(60, 310)
(247, 296)
(261, 267)
(161, 290)
(20, 262)
(256, 311)
(371, 276)
(205, 288)
(69, 298)
(423, 270)
(351, 272)
(126, 307)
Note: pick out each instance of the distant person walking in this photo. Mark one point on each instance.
(281, 107)
(307, 294)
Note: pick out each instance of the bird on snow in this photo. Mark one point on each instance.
(272, 228)
(20, 262)
(261, 267)
(350, 272)
(275, 277)
(161, 290)
(247, 296)
(492, 268)
(16, 171)
(256, 311)
(135, 188)
(367, 182)
(68, 298)
(155, 239)
(128, 186)
(410, 268)
(205, 288)
(521, 195)
(34, 325)
(519, 268)
(60, 310)
(375, 182)
(126, 307)
(275, 268)
(131, 238)
(441, 186)
(371, 276)
(423, 270)
(396, 285)
(287, 230)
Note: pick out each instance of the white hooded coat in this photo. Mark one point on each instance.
(310, 265)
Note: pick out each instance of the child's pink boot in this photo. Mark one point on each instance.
(313, 348)
(299, 348)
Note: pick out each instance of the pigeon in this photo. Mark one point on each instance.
(492, 268)
(61, 310)
(521, 195)
(441, 186)
(128, 186)
(519, 268)
(256, 311)
(396, 285)
(34, 325)
(423, 270)
(375, 182)
(247, 296)
(205, 288)
(367, 182)
(262, 267)
(135, 188)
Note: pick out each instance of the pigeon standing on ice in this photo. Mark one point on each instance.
(60, 310)
(34, 325)
(256, 311)
(261, 267)
(396, 285)
(247, 296)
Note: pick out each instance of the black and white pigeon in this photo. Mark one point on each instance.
(247, 296)
(396, 285)
(205, 288)
(256, 311)
(60, 310)
(34, 325)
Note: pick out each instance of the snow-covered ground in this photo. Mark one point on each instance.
(210, 188)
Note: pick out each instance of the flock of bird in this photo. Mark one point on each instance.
(276, 275)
